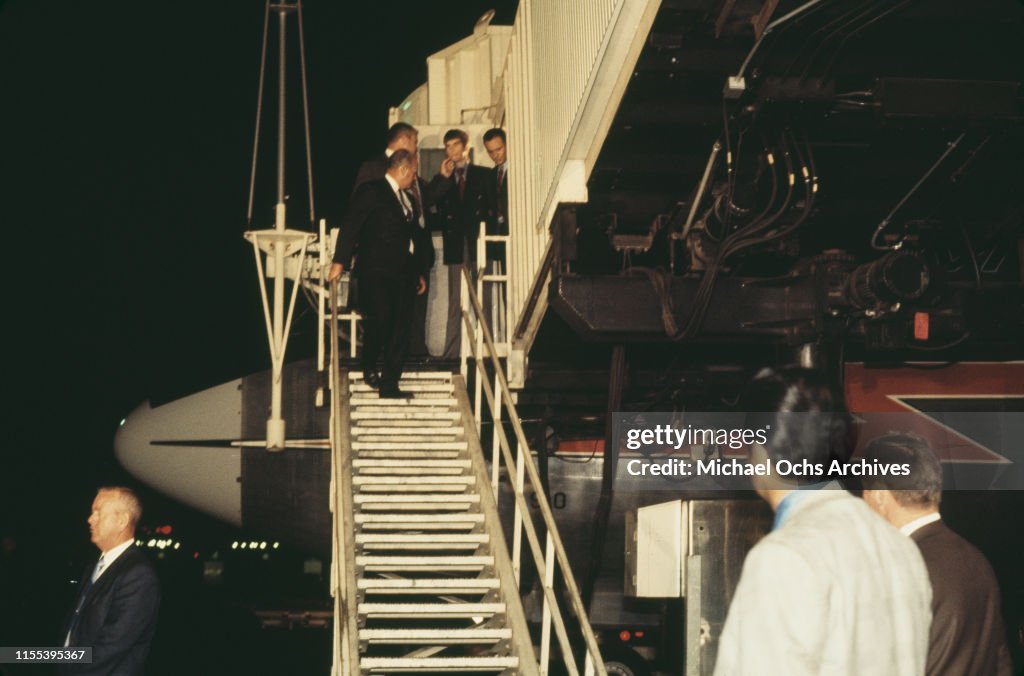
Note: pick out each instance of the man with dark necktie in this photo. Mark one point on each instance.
(422, 195)
(391, 265)
(116, 610)
(463, 208)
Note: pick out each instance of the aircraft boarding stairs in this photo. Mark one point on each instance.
(434, 587)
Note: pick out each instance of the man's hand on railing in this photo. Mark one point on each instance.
(335, 272)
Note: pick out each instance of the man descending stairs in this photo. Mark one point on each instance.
(433, 584)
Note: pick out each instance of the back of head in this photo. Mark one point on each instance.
(921, 487)
(398, 159)
(398, 131)
(804, 415)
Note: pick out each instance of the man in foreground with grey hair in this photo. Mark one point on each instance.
(115, 613)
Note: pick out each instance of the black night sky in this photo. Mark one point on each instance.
(127, 135)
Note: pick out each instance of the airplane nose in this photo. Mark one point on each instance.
(184, 449)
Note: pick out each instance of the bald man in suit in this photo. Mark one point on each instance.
(116, 610)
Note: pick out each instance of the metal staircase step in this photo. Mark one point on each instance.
(418, 521)
(381, 564)
(410, 471)
(409, 375)
(409, 386)
(428, 586)
(378, 489)
(416, 502)
(414, 422)
(419, 542)
(409, 445)
(399, 482)
(419, 438)
(448, 665)
(433, 636)
(410, 454)
(421, 400)
(405, 464)
(399, 431)
(416, 611)
(387, 414)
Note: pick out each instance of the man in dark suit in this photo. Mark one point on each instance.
(424, 197)
(390, 269)
(117, 606)
(463, 208)
(967, 635)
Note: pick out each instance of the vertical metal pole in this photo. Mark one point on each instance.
(495, 445)
(322, 315)
(281, 74)
(276, 424)
(517, 519)
(545, 625)
(617, 371)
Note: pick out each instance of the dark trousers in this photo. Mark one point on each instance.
(386, 302)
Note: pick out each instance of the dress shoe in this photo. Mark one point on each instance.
(392, 392)
(372, 379)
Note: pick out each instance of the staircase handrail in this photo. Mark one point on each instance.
(346, 650)
(553, 544)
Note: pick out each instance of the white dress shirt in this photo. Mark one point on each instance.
(908, 528)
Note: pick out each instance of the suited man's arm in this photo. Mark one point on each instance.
(133, 608)
(351, 226)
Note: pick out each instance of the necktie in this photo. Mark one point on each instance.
(99, 568)
(404, 201)
(501, 175)
(460, 175)
(417, 203)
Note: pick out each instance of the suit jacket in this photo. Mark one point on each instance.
(117, 617)
(429, 193)
(376, 228)
(967, 635)
(834, 590)
(463, 213)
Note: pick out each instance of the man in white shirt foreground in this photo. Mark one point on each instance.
(967, 636)
(115, 613)
(833, 589)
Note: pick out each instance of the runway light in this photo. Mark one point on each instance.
(244, 545)
(123, 421)
(276, 545)
(234, 545)
(638, 634)
(151, 543)
(263, 545)
(624, 635)
(177, 545)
